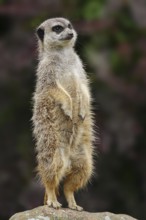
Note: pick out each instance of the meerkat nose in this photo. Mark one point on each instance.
(70, 35)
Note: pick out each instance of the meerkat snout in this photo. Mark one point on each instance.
(69, 36)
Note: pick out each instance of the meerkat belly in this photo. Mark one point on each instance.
(75, 87)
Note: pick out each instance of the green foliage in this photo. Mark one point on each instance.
(92, 9)
(85, 9)
(34, 22)
(2, 2)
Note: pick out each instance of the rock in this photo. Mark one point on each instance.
(46, 213)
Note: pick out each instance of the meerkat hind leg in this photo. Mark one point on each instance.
(71, 184)
(71, 200)
(51, 197)
(77, 179)
(45, 198)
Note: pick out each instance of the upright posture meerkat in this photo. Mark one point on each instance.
(62, 115)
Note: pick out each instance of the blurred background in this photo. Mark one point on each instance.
(112, 45)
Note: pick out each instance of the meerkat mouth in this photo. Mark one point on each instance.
(68, 37)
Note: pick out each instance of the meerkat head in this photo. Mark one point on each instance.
(56, 33)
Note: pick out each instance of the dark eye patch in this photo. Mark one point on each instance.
(40, 33)
(69, 26)
(57, 28)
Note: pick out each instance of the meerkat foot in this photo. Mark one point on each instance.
(71, 200)
(75, 207)
(54, 204)
(51, 199)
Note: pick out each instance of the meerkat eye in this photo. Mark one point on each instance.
(69, 26)
(40, 33)
(57, 28)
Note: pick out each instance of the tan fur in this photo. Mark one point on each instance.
(62, 116)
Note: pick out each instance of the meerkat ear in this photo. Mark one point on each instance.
(40, 33)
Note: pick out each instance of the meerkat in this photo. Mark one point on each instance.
(62, 115)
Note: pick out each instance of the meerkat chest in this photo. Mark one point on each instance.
(71, 82)
(71, 78)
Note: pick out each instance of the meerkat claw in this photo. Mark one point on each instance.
(54, 204)
(76, 207)
(82, 117)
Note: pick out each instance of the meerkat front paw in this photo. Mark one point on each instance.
(67, 108)
(82, 114)
(84, 108)
(84, 102)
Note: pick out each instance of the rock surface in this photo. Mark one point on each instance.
(46, 213)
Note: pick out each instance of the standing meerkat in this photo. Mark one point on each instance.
(62, 117)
